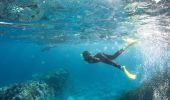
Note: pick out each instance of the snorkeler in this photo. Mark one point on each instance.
(106, 58)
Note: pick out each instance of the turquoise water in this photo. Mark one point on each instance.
(57, 35)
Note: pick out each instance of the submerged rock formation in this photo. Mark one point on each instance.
(27, 10)
(50, 87)
(156, 88)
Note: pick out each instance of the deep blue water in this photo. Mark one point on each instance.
(35, 47)
(21, 61)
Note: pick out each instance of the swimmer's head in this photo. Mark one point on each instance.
(86, 55)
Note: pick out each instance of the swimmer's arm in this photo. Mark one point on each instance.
(97, 57)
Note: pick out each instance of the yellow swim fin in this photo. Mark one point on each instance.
(128, 74)
(130, 41)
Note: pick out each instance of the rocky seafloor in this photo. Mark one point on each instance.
(52, 86)
(155, 88)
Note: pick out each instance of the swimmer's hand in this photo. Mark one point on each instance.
(128, 74)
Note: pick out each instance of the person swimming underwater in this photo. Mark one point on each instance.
(106, 58)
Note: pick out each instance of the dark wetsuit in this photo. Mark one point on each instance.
(106, 58)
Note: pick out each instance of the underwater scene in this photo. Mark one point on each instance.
(84, 49)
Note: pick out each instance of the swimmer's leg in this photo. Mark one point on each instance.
(115, 55)
(129, 41)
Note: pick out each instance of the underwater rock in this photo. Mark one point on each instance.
(49, 87)
(27, 10)
(156, 88)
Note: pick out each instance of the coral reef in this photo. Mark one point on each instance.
(156, 88)
(49, 87)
